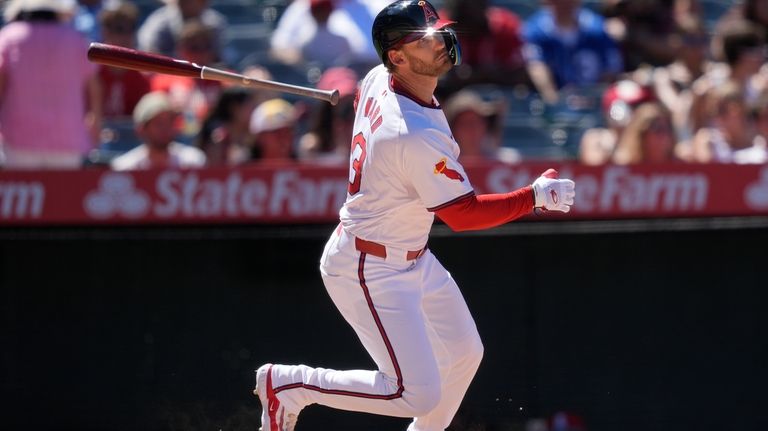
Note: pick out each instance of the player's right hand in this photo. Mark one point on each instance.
(552, 193)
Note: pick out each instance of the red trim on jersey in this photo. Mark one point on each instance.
(380, 326)
(399, 89)
(387, 343)
(273, 404)
(486, 211)
(376, 124)
(451, 202)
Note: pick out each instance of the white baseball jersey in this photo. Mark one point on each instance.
(408, 312)
(403, 166)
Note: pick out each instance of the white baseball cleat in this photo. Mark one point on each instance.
(274, 416)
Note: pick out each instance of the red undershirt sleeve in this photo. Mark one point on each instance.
(486, 211)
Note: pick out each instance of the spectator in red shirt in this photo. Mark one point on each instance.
(491, 43)
(122, 87)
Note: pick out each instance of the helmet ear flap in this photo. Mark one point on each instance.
(452, 45)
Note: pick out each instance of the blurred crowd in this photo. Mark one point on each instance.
(600, 81)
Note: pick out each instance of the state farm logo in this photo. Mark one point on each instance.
(756, 194)
(116, 195)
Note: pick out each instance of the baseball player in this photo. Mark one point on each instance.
(404, 306)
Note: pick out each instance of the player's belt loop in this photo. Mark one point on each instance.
(378, 250)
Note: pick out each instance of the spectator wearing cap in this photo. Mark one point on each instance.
(155, 121)
(272, 124)
(619, 100)
(122, 87)
(330, 127)
(44, 72)
(476, 127)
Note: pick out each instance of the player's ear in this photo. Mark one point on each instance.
(396, 56)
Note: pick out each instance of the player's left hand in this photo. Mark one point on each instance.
(552, 193)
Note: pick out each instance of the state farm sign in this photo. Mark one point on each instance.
(616, 189)
(306, 194)
(21, 199)
(756, 194)
(190, 194)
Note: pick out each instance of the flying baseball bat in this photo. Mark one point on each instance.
(126, 58)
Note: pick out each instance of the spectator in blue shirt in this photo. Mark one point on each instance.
(566, 45)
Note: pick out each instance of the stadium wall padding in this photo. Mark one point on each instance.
(633, 331)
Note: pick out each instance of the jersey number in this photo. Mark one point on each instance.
(358, 157)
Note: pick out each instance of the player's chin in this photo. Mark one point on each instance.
(444, 65)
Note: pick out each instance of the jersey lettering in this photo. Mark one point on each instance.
(376, 124)
(368, 104)
(358, 153)
(372, 112)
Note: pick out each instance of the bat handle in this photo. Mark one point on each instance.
(331, 96)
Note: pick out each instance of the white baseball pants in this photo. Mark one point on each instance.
(412, 320)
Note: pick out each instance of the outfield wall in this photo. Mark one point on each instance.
(161, 329)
